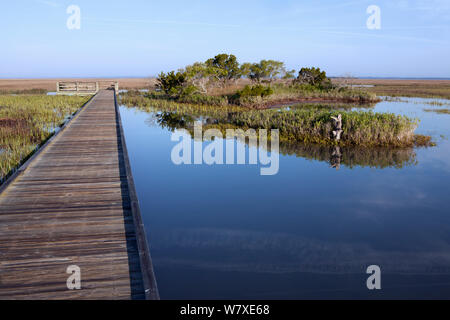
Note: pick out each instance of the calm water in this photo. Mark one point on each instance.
(225, 231)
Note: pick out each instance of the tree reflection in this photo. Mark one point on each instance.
(336, 156)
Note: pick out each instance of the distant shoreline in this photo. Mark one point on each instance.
(394, 78)
(49, 84)
(154, 77)
(381, 86)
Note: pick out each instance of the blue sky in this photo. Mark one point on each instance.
(141, 38)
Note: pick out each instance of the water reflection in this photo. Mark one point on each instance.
(352, 157)
(308, 232)
(229, 250)
(336, 156)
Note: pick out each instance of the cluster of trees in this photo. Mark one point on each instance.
(224, 69)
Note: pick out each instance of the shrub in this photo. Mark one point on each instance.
(255, 91)
(172, 83)
(314, 77)
(250, 95)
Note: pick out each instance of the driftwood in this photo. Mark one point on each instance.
(337, 122)
(336, 157)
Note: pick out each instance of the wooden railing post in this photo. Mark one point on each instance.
(57, 86)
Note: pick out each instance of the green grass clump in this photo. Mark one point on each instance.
(315, 125)
(26, 121)
(421, 140)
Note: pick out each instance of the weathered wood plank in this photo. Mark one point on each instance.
(73, 205)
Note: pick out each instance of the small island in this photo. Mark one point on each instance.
(252, 95)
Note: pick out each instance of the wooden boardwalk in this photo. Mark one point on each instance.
(74, 203)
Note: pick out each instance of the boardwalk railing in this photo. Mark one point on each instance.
(84, 87)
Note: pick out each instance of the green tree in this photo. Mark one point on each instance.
(256, 72)
(172, 83)
(289, 74)
(245, 69)
(313, 76)
(228, 65)
(203, 76)
(265, 69)
(272, 69)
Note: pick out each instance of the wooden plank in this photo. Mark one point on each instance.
(74, 203)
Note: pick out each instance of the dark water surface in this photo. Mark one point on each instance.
(225, 231)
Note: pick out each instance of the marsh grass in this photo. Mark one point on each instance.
(348, 156)
(283, 93)
(307, 125)
(430, 89)
(198, 99)
(363, 128)
(27, 121)
(423, 141)
(23, 91)
(328, 106)
(437, 103)
(279, 93)
(441, 111)
(395, 99)
(340, 94)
